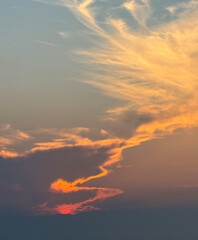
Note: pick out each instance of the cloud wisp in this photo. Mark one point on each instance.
(152, 67)
(149, 63)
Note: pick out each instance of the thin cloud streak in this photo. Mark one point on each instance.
(84, 206)
(46, 43)
(155, 71)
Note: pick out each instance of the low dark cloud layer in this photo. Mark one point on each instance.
(25, 181)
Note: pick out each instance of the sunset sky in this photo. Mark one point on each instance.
(99, 105)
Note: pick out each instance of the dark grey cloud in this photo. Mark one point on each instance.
(128, 122)
(25, 181)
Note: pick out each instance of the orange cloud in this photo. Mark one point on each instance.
(75, 208)
(115, 155)
(153, 69)
(10, 136)
(65, 187)
(8, 154)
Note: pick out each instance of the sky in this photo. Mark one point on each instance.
(99, 105)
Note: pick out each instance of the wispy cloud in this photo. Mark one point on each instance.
(9, 137)
(64, 35)
(153, 70)
(46, 43)
(84, 206)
